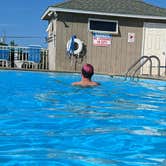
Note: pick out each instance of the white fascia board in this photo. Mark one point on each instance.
(49, 10)
(52, 9)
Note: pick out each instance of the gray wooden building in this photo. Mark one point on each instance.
(115, 33)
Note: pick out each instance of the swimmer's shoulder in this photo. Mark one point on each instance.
(76, 83)
(85, 84)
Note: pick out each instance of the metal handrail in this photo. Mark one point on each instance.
(158, 60)
(133, 65)
(148, 58)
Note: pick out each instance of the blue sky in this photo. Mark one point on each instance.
(23, 18)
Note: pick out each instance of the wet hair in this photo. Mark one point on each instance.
(87, 71)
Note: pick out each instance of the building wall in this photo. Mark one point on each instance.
(68, 25)
(51, 30)
(114, 59)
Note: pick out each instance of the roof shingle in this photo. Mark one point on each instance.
(128, 7)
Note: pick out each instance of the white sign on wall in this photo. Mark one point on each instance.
(100, 39)
(131, 37)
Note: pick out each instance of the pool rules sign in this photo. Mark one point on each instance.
(102, 40)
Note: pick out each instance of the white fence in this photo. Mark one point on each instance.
(32, 57)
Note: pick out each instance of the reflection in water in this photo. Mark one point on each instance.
(149, 131)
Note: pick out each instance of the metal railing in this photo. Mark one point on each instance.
(32, 57)
(147, 58)
(158, 63)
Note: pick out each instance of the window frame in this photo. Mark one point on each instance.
(104, 20)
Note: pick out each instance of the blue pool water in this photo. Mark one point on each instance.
(46, 121)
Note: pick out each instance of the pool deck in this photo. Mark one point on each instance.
(162, 78)
(153, 77)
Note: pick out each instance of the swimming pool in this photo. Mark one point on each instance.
(46, 121)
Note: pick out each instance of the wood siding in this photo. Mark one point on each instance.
(114, 59)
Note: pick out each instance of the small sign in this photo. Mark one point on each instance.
(131, 37)
(100, 39)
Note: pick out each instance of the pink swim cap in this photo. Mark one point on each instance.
(87, 71)
(88, 68)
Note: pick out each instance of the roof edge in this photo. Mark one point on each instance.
(46, 12)
(53, 9)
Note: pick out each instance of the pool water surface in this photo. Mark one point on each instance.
(46, 121)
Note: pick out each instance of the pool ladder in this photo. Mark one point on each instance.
(146, 59)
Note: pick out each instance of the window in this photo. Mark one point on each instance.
(103, 26)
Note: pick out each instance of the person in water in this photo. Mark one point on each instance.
(86, 74)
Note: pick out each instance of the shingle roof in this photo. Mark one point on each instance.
(128, 7)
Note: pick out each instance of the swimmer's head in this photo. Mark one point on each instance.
(87, 71)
